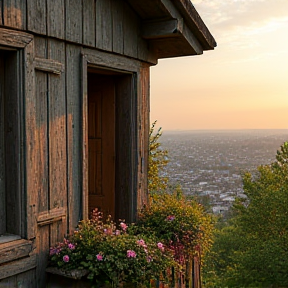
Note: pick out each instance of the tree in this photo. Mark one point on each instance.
(158, 159)
(256, 249)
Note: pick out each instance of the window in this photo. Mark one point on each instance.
(11, 145)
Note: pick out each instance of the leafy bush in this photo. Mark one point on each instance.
(113, 255)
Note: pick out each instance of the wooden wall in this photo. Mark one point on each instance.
(109, 25)
(63, 31)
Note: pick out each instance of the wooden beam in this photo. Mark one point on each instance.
(17, 267)
(51, 216)
(15, 39)
(49, 65)
(15, 250)
(161, 28)
(192, 40)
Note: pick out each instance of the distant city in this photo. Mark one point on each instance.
(209, 164)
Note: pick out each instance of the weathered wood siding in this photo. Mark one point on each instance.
(109, 25)
(62, 33)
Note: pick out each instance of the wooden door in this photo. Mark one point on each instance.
(101, 142)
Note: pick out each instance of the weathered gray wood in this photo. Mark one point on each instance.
(111, 61)
(41, 131)
(130, 30)
(104, 25)
(49, 65)
(8, 282)
(143, 135)
(37, 16)
(14, 13)
(51, 216)
(17, 267)
(14, 38)
(2, 149)
(74, 121)
(73, 19)
(42, 255)
(89, 22)
(55, 18)
(73, 274)
(84, 137)
(14, 250)
(27, 279)
(57, 139)
(161, 28)
(126, 149)
(117, 16)
(31, 141)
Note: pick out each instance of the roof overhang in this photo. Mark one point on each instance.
(173, 27)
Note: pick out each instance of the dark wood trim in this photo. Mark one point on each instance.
(155, 29)
(49, 65)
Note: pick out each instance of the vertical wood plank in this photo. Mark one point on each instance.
(8, 282)
(89, 22)
(126, 149)
(1, 13)
(57, 139)
(74, 161)
(37, 16)
(130, 30)
(55, 18)
(143, 135)
(2, 150)
(104, 25)
(42, 255)
(14, 13)
(41, 130)
(27, 279)
(74, 20)
(41, 159)
(31, 141)
(117, 17)
(84, 138)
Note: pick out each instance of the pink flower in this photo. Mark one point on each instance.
(71, 246)
(99, 257)
(160, 246)
(117, 232)
(66, 258)
(123, 226)
(131, 254)
(141, 242)
(170, 218)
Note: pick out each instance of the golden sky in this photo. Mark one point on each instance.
(242, 84)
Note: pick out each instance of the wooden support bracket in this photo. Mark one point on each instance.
(49, 65)
(51, 216)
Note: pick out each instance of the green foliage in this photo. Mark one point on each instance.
(253, 250)
(112, 255)
(158, 159)
(179, 223)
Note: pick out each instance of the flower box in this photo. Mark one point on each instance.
(59, 278)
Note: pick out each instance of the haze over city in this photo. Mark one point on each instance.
(242, 84)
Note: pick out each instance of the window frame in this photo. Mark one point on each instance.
(19, 47)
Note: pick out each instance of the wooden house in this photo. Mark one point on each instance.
(74, 86)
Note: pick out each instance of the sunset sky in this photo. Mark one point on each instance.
(242, 84)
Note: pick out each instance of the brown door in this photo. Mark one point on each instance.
(101, 135)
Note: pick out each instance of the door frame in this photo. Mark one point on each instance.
(126, 181)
